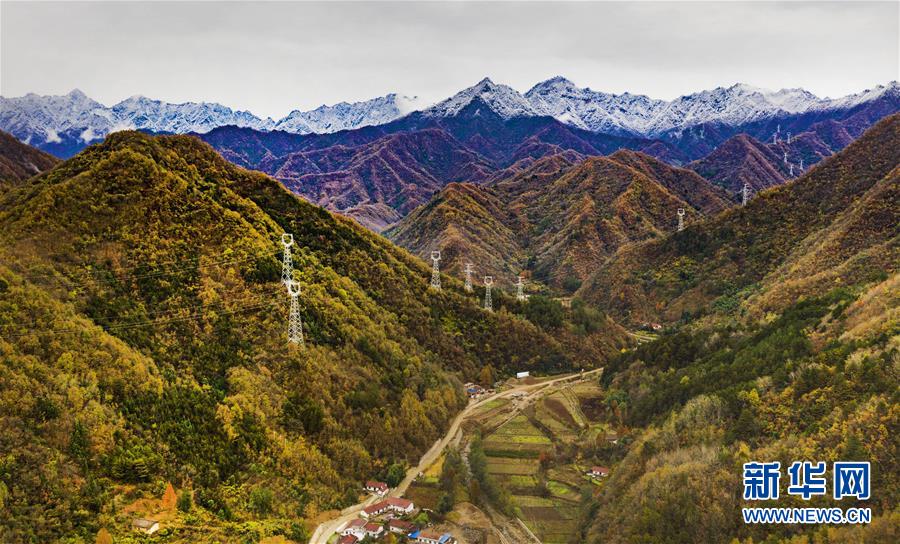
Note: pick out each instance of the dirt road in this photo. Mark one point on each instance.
(324, 531)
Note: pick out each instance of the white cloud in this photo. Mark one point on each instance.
(409, 104)
(51, 136)
(88, 135)
(122, 125)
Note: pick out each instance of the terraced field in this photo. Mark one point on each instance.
(547, 500)
(554, 521)
(517, 438)
(506, 465)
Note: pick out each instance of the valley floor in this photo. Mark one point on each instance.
(506, 404)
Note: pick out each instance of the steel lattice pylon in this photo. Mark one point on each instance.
(520, 288)
(469, 277)
(287, 264)
(295, 325)
(680, 219)
(435, 270)
(488, 303)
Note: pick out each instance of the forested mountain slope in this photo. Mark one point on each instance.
(817, 381)
(19, 161)
(783, 345)
(559, 217)
(143, 340)
(837, 224)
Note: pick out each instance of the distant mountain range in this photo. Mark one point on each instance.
(376, 160)
(377, 174)
(58, 123)
(63, 125)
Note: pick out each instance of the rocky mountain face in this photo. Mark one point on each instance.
(557, 218)
(347, 116)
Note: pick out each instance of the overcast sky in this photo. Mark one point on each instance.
(274, 57)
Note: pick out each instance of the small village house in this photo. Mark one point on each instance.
(355, 528)
(348, 539)
(393, 505)
(373, 530)
(598, 472)
(473, 390)
(400, 527)
(378, 488)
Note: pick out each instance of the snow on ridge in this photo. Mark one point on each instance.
(345, 115)
(503, 100)
(644, 116)
(44, 119)
(49, 119)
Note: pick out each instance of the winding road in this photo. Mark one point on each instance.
(324, 531)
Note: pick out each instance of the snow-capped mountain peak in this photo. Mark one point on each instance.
(63, 124)
(345, 115)
(643, 116)
(74, 119)
(144, 113)
(503, 100)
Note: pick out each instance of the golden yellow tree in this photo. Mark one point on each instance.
(103, 537)
(169, 498)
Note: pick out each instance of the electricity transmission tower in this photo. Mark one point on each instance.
(785, 157)
(680, 219)
(469, 277)
(488, 303)
(295, 326)
(520, 288)
(801, 165)
(435, 271)
(789, 138)
(287, 265)
(792, 171)
(745, 194)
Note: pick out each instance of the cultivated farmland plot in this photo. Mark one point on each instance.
(513, 451)
(517, 438)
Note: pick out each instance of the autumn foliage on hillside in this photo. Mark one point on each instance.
(836, 225)
(143, 341)
(559, 217)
